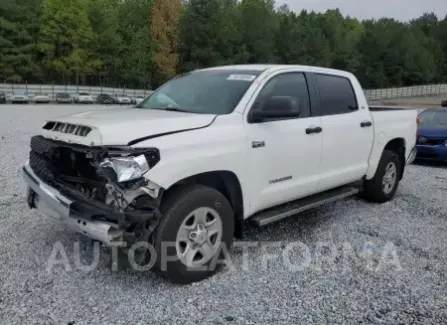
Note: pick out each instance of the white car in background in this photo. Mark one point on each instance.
(19, 98)
(83, 98)
(137, 99)
(41, 99)
(123, 100)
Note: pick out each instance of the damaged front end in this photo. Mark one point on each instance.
(104, 184)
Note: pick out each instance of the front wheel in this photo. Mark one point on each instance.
(196, 227)
(383, 186)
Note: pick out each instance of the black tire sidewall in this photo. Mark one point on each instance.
(174, 211)
(374, 188)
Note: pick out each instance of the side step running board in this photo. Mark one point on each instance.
(292, 208)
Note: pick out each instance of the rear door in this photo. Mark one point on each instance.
(347, 131)
(284, 160)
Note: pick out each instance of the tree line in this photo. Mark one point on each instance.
(143, 43)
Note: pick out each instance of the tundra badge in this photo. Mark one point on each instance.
(258, 144)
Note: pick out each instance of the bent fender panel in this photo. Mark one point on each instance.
(220, 148)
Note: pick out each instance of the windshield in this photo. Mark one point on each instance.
(433, 118)
(204, 92)
(84, 94)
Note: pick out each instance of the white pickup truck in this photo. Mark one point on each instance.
(210, 149)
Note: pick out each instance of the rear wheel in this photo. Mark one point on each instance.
(197, 224)
(383, 186)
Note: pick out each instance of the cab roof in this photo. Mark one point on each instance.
(274, 67)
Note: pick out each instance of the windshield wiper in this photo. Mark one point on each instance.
(173, 109)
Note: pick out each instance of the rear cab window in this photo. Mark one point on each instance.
(336, 95)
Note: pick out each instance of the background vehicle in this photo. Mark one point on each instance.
(17, 98)
(213, 148)
(2, 98)
(105, 99)
(83, 98)
(41, 99)
(123, 99)
(432, 135)
(63, 98)
(137, 99)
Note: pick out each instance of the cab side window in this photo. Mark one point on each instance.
(288, 84)
(336, 95)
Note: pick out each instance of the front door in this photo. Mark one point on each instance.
(284, 159)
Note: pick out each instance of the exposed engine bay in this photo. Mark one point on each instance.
(111, 176)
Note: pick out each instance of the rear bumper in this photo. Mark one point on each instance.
(80, 213)
(436, 153)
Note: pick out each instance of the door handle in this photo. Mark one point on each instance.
(366, 124)
(311, 130)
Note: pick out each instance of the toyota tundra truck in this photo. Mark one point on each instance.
(211, 150)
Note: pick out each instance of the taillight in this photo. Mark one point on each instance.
(417, 123)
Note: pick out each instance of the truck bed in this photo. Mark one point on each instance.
(375, 108)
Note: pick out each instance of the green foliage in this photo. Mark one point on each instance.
(18, 35)
(67, 39)
(136, 43)
(210, 34)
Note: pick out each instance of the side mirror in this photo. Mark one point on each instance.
(277, 107)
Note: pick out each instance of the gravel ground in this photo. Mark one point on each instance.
(383, 264)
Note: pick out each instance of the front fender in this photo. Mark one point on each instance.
(220, 147)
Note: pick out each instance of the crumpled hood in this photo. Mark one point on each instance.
(125, 126)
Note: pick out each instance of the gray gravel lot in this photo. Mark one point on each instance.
(388, 268)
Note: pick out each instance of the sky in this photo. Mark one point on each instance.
(403, 10)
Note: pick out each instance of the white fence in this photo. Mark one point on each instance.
(52, 90)
(414, 91)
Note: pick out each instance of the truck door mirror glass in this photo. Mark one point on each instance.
(276, 107)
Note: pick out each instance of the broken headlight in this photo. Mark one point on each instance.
(127, 168)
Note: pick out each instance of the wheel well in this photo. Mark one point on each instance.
(398, 146)
(225, 182)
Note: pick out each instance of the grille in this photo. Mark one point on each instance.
(41, 156)
(75, 129)
(431, 141)
(61, 165)
(41, 167)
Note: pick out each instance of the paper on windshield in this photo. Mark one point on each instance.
(242, 77)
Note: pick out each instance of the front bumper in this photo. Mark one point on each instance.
(435, 153)
(94, 219)
(85, 100)
(19, 100)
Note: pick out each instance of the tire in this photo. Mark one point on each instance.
(182, 209)
(444, 103)
(375, 189)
